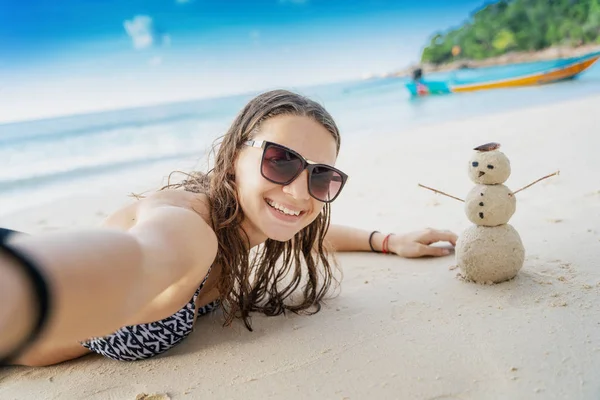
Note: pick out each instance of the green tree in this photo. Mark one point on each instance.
(518, 25)
(591, 27)
(504, 41)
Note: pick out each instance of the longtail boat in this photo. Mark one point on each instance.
(515, 75)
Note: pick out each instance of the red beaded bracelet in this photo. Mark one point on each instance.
(384, 246)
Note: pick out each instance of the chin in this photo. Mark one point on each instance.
(280, 236)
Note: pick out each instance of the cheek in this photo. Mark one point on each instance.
(247, 175)
(248, 186)
(317, 208)
(251, 188)
(245, 186)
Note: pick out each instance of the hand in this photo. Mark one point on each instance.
(417, 244)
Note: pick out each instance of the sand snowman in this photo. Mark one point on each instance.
(489, 251)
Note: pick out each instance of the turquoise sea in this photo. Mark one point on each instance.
(46, 159)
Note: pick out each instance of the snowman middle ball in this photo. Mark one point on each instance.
(490, 205)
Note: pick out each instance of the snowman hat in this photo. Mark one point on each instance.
(488, 147)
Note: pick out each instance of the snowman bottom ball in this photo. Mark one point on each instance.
(490, 253)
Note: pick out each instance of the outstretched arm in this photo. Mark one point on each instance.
(100, 279)
(409, 245)
(87, 273)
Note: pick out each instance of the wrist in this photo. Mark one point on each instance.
(375, 241)
(23, 287)
(379, 242)
(385, 245)
(16, 316)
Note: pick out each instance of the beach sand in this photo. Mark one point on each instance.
(400, 328)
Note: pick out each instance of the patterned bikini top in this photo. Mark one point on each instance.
(138, 342)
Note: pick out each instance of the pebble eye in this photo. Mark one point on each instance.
(490, 166)
(475, 164)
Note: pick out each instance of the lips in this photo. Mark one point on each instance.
(284, 208)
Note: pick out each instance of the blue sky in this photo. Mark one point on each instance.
(72, 56)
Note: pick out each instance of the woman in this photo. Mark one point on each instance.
(130, 291)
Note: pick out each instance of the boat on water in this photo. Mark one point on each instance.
(515, 75)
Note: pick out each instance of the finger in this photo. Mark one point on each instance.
(433, 235)
(453, 237)
(433, 251)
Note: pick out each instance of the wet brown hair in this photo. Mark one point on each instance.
(255, 284)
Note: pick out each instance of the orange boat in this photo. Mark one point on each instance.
(516, 75)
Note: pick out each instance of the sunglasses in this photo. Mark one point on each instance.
(282, 165)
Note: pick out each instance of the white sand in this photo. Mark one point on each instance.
(401, 329)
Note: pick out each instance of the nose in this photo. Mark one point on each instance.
(481, 173)
(298, 188)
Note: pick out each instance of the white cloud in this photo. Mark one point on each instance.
(140, 30)
(144, 34)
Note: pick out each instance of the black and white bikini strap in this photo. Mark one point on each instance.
(40, 290)
(197, 293)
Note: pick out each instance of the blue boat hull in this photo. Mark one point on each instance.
(515, 75)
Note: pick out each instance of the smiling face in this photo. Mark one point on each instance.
(276, 211)
(489, 167)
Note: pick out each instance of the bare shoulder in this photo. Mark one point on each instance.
(127, 216)
(173, 228)
(182, 214)
(196, 202)
(173, 225)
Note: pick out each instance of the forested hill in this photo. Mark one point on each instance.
(517, 25)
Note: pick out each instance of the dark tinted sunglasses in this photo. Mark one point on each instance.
(282, 165)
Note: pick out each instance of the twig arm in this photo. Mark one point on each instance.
(440, 192)
(534, 182)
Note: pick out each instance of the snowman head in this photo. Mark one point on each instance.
(488, 165)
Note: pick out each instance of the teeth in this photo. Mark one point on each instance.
(283, 209)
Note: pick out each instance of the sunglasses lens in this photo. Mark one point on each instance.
(325, 183)
(279, 165)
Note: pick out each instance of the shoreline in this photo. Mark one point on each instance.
(550, 53)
